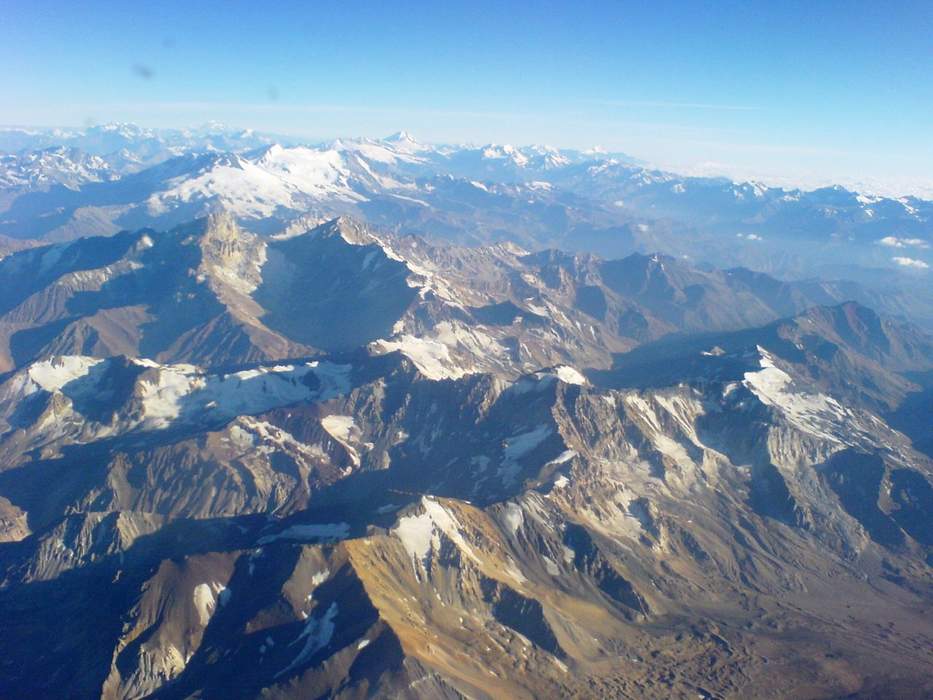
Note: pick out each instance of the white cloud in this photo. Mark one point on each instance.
(895, 242)
(749, 236)
(911, 262)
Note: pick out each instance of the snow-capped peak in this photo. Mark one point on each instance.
(404, 142)
(400, 137)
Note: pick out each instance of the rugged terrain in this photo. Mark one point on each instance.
(344, 462)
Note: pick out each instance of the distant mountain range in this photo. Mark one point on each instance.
(105, 179)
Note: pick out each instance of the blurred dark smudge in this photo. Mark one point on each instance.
(143, 71)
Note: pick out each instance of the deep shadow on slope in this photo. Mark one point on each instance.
(324, 292)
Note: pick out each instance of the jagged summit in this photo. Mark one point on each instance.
(403, 142)
(348, 228)
(401, 137)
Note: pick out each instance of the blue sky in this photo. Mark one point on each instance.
(819, 89)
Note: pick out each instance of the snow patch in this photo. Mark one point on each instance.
(513, 516)
(517, 447)
(569, 375)
(53, 374)
(316, 634)
(205, 601)
(343, 430)
(416, 533)
(431, 357)
(816, 414)
(563, 457)
(183, 393)
(420, 534)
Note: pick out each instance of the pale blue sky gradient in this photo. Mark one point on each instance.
(802, 90)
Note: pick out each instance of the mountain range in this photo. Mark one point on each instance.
(344, 461)
(105, 179)
(377, 418)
